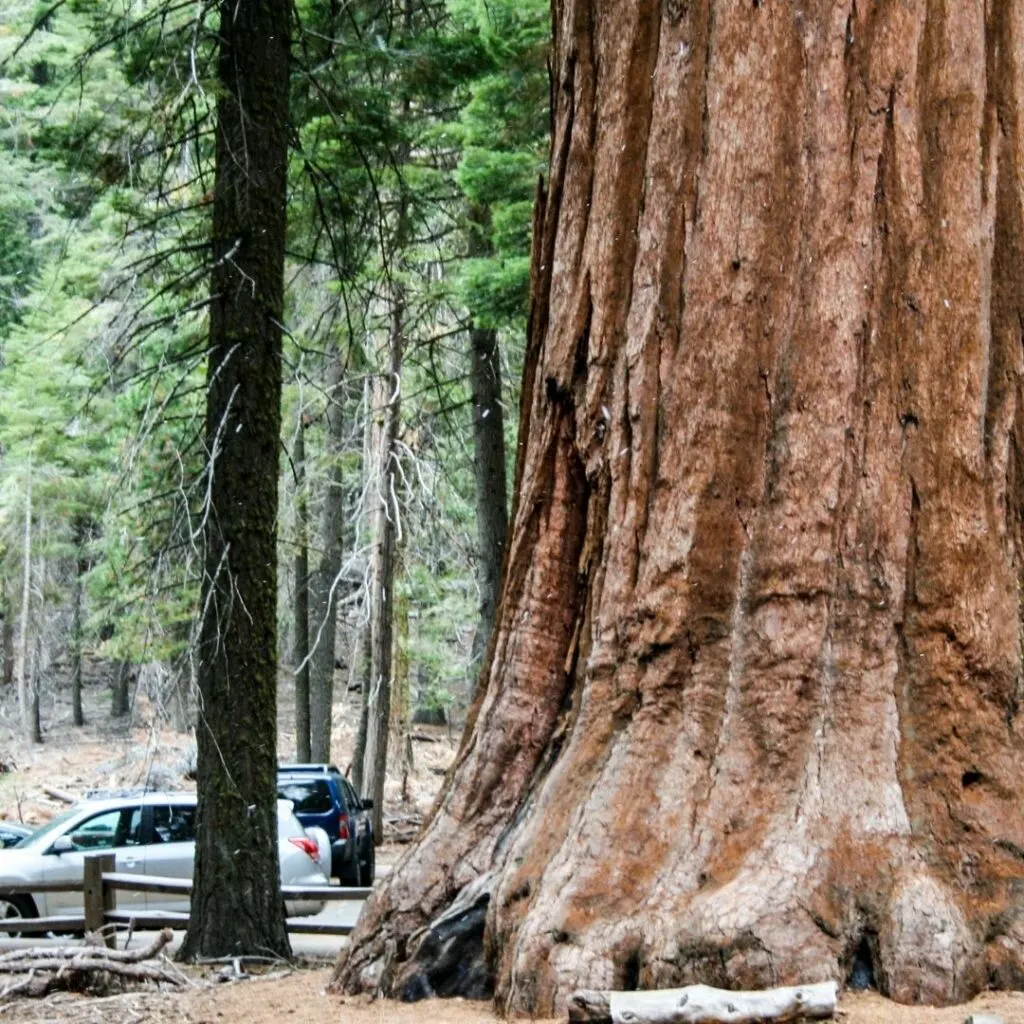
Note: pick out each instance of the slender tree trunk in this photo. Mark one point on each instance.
(236, 901)
(361, 666)
(300, 656)
(8, 639)
(401, 714)
(752, 712)
(386, 522)
(183, 683)
(120, 694)
(26, 606)
(360, 672)
(488, 457)
(35, 688)
(77, 715)
(324, 581)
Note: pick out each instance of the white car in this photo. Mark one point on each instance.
(148, 834)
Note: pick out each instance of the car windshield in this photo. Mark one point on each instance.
(53, 825)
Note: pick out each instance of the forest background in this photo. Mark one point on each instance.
(417, 136)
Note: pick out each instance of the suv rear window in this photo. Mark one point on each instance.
(312, 796)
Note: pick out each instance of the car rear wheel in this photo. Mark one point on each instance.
(16, 907)
(350, 874)
(368, 867)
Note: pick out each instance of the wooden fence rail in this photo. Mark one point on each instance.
(100, 886)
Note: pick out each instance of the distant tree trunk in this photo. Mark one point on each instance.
(183, 682)
(26, 607)
(236, 902)
(386, 519)
(360, 675)
(81, 567)
(300, 656)
(753, 710)
(361, 666)
(401, 714)
(8, 639)
(120, 694)
(35, 687)
(488, 458)
(323, 610)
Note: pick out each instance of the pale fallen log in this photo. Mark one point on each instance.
(59, 794)
(701, 1004)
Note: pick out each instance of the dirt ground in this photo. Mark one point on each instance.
(301, 995)
(305, 991)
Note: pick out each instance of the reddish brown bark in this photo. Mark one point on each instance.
(752, 706)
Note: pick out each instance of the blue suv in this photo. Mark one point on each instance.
(324, 798)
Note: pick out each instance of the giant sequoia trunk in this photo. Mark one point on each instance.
(752, 709)
(236, 900)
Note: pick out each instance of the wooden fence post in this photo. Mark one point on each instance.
(99, 898)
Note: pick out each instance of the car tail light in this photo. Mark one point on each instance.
(307, 846)
(343, 826)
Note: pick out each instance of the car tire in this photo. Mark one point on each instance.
(368, 867)
(350, 874)
(16, 906)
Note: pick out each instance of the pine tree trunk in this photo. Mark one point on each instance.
(752, 711)
(360, 672)
(488, 460)
(120, 695)
(183, 684)
(26, 608)
(401, 714)
(489, 467)
(300, 655)
(8, 639)
(386, 522)
(361, 666)
(236, 902)
(77, 715)
(35, 687)
(323, 610)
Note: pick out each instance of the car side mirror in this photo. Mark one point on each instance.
(62, 844)
(367, 804)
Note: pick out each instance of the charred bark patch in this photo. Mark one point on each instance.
(450, 960)
(862, 973)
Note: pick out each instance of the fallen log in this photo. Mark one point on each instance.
(60, 794)
(77, 968)
(701, 1004)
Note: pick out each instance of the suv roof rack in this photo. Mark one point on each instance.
(123, 792)
(298, 769)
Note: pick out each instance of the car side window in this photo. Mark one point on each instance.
(122, 827)
(174, 824)
(350, 795)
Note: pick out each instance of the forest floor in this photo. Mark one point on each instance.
(302, 995)
(110, 754)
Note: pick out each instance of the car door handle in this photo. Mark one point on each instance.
(130, 862)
